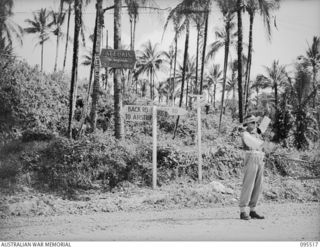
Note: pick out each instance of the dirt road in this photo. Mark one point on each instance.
(284, 222)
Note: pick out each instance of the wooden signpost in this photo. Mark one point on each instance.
(199, 104)
(154, 147)
(149, 113)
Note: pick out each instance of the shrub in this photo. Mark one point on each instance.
(10, 167)
(10, 164)
(77, 163)
(30, 99)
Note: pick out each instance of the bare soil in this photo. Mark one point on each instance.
(284, 222)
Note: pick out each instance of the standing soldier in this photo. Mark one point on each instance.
(254, 166)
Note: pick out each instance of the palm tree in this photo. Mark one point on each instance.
(118, 120)
(239, 63)
(150, 61)
(179, 25)
(78, 30)
(133, 7)
(206, 9)
(74, 72)
(213, 78)
(176, 33)
(220, 40)
(185, 62)
(252, 6)
(199, 20)
(69, 2)
(312, 59)
(57, 21)
(261, 82)
(182, 13)
(96, 81)
(170, 55)
(40, 25)
(300, 98)
(227, 8)
(8, 28)
(277, 76)
(133, 13)
(232, 83)
(189, 76)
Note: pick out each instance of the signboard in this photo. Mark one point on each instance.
(143, 101)
(137, 113)
(162, 112)
(173, 110)
(119, 59)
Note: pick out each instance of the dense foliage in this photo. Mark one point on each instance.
(30, 99)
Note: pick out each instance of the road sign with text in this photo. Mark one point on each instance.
(137, 113)
(119, 59)
(173, 110)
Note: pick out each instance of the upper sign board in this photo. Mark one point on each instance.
(119, 59)
(137, 113)
(173, 110)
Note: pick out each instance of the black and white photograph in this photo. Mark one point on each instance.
(183, 121)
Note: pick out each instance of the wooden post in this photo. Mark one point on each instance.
(154, 147)
(199, 140)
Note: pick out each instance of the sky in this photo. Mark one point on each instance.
(297, 22)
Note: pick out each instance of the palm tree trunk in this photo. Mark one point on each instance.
(106, 68)
(234, 98)
(118, 121)
(134, 32)
(130, 71)
(276, 94)
(86, 103)
(73, 87)
(96, 81)
(93, 55)
(187, 91)
(170, 81)
(153, 95)
(131, 32)
(150, 83)
(185, 59)
(225, 68)
(239, 9)
(197, 58)
(204, 51)
(67, 38)
(42, 54)
(57, 52)
(314, 70)
(248, 69)
(175, 65)
(133, 47)
(214, 95)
